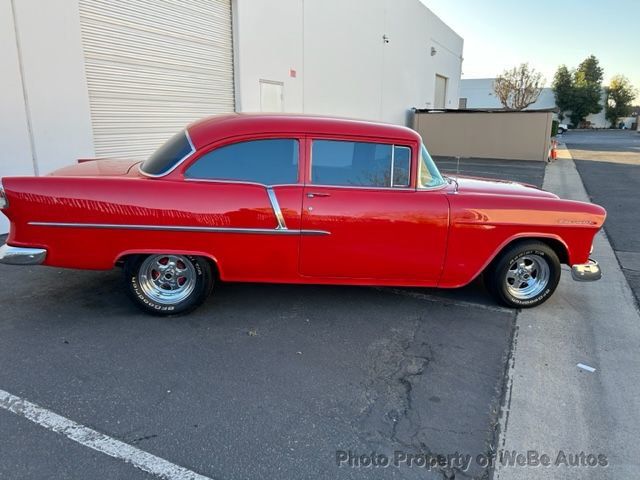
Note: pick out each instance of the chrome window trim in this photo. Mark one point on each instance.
(393, 146)
(393, 159)
(176, 165)
(393, 162)
(181, 228)
(276, 209)
(359, 187)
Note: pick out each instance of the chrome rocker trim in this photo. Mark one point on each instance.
(586, 272)
(179, 228)
(21, 255)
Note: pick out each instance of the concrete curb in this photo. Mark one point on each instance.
(551, 406)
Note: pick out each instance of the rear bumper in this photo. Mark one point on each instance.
(586, 272)
(22, 256)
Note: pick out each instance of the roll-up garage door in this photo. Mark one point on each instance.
(153, 67)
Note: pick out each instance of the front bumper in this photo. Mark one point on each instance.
(586, 272)
(21, 255)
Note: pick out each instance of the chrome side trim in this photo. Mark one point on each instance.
(180, 228)
(276, 209)
(586, 272)
(21, 255)
(176, 165)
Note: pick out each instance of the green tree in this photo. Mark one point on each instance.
(620, 94)
(563, 89)
(590, 70)
(580, 91)
(519, 87)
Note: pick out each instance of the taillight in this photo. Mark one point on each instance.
(4, 203)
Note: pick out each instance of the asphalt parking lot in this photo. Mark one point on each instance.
(264, 381)
(609, 164)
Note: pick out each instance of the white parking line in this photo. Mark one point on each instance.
(96, 440)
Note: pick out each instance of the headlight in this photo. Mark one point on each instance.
(4, 203)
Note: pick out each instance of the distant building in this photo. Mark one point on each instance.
(477, 93)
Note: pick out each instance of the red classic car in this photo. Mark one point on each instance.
(295, 199)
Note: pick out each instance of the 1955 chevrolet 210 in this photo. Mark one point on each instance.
(295, 199)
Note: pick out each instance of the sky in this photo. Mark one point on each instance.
(500, 34)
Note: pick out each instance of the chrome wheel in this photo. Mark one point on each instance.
(167, 279)
(527, 277)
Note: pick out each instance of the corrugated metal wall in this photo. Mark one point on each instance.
(153, 67)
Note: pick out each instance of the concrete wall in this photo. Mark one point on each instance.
(343, 65)
(505, 135)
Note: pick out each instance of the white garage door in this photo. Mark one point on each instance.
(153, 67)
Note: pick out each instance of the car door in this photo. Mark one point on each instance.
(379, 225)
(246, 196)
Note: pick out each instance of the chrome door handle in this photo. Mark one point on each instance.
(313, 195)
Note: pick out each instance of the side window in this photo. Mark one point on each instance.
(401, 166)
(270, 162)
(359, 164)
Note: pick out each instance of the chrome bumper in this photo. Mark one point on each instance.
(586, 272)
(22, 256)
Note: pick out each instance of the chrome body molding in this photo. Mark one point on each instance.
(276, 209)
(586, 272)
(180, 228)
(22, 255)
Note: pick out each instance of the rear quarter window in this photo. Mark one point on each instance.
(169, 155)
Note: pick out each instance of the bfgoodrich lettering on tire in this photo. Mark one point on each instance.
(524, 275)
(168, 284)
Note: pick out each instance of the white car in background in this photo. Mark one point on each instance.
(562, 127)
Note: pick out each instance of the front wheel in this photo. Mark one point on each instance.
(168, 284)
(525, 275)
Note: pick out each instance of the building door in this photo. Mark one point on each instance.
(271, 96)
(154, 67)
(440, 92)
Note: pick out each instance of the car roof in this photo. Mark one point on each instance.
(210, 129)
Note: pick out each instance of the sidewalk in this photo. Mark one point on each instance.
(550, 404)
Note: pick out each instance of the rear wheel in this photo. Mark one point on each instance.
(168, 284)
(525, 275)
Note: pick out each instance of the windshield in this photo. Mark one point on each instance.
(429, 176)
(169, 155)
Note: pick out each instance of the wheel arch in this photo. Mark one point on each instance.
(552, 241)
(215, 264)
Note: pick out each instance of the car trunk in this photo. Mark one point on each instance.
(98, 168)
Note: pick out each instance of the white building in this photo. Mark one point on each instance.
(94, 78)
(477, 93)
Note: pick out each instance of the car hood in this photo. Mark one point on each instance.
(499, 187)
(107, 167)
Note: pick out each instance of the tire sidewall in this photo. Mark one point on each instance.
(203, 284)
(554, 277)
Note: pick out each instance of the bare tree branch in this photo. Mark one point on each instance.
(519, 87)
